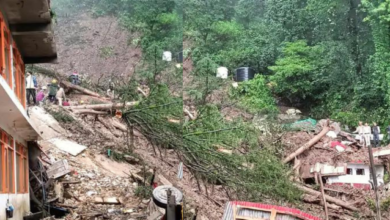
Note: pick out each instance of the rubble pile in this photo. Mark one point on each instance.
(344, 166)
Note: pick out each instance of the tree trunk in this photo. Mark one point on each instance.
(104, 106)
(307, 145)
(81, 89)
(328, 198)
(88, 111)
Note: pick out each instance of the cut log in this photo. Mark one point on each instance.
(105, 106)
(89, 111)
(314, 140)
(328, 198)
(118, 125)
(80, 89)
(323, 196)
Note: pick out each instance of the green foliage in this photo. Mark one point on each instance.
(295, 71)
(385, 204)
(254, 95)
(196, 142)
(143, 192)
(59, 114)
(371, 204)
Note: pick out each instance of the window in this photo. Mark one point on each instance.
(19, 75)
(6, 71)
(349, 171)
(21, 169)
(7, 163)
(360, 172)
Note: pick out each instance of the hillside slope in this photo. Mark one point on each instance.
(93, 47)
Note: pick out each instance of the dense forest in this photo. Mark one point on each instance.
(327, 57)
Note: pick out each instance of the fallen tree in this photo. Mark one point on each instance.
(80, 89)
(193, 142)
(104, 106)
(90, 111)
(328, 198)
(300, 150)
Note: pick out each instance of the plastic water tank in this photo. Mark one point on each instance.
(222, 72)
(167, 56)
(180, 57)
(244, 74)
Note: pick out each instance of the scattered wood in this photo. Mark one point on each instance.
(142, 91)
(176, 121)
(328, 198)
(104, 106)
(189, 114)
(93, 214)
(314, 140)
(69, 206)
(92, 112)
(323, 196)
(71, 182)
(59, 191)
(107, 200)
(337, 191)
(118, 125)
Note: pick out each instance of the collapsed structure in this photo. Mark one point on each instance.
(338, 157)
(26, 37)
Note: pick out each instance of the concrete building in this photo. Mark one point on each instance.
(26, 37)
(358, 175)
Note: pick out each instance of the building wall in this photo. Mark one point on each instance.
(358, 180)
(21, 203)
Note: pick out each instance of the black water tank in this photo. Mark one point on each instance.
(180, 57)
(244, 74)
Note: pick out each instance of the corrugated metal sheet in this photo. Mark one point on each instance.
(283, 213)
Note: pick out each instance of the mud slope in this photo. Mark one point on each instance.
(93, 46)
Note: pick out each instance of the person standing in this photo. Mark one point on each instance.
(31, 86)
(60, 96)
(367, 134)
(53, 89)
(376, 130)
(360, 132)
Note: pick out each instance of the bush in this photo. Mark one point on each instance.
(60, 115)
(254, 95)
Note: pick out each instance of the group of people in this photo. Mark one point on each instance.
(56, 94)
(365, 131)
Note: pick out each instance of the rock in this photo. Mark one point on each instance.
(91, 193)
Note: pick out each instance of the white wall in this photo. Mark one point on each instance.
(361, 179)
(21, 203)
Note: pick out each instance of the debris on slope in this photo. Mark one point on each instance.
(344, 167)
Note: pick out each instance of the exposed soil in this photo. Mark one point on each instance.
(94, 47)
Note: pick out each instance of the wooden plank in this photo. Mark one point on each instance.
(323, 196)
